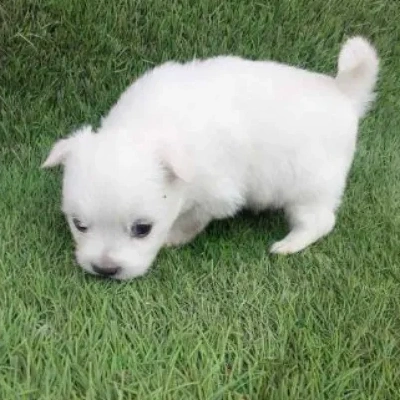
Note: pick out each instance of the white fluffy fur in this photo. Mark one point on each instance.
(189, 143)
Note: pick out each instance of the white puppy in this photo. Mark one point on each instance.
(189, 143)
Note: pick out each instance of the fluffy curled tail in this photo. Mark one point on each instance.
(358, 71)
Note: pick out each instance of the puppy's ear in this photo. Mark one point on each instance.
(62, 148)
(177, 164)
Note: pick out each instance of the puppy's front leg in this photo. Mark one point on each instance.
(187, 227)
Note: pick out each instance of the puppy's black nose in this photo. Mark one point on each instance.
(106, 271)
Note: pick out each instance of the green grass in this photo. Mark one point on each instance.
(220, 318)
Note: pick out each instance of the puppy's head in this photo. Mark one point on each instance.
(120, 199)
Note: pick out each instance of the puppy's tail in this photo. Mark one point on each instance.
(358, 71)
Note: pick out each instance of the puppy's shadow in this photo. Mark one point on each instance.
(264, 225)
(246, 233)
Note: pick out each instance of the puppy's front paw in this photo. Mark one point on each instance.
(176, 239)
(286, 246)
(170, 243)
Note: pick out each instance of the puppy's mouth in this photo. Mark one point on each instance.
(106, 272)
(119, 274)
(114, 270)
(115, 278)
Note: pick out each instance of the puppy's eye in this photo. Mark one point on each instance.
(79, 225)
(140, 229)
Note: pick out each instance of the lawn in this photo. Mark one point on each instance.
(219, 318)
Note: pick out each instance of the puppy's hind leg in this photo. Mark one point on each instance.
(308, 224)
